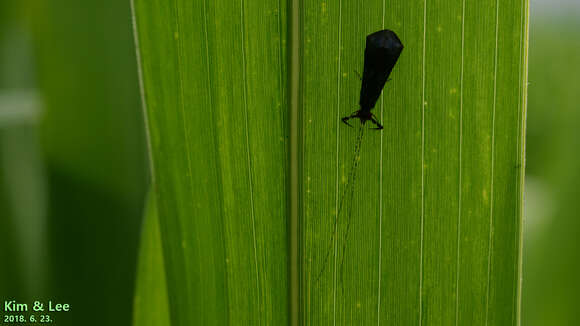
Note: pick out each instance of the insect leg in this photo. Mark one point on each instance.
(345, 119)
(358, 74)
(374, 120)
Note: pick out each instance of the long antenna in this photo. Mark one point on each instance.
(348, 189)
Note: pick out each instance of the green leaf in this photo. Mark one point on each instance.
(151, 306)
(436, 215)
(215, 90)
(432, 233)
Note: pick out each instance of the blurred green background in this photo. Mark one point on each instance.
(73, 164)
(552, 219)
(73, 170)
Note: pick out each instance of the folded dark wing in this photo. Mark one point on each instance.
(382, 51)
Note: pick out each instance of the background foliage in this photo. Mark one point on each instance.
(552, 230)
(73, 171)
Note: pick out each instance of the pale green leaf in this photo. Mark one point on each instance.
(435, 220)
(151, 305)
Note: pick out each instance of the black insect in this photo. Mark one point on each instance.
(382, 51)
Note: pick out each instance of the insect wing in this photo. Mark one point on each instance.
(382, 51)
